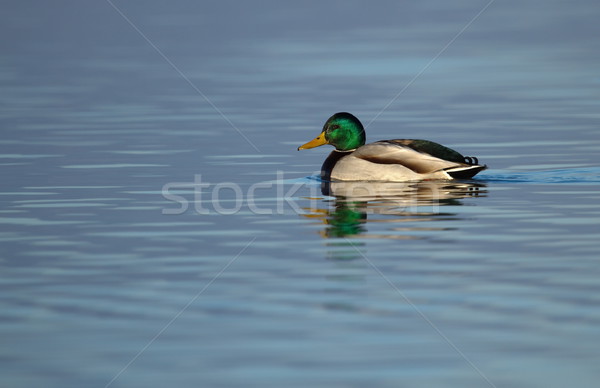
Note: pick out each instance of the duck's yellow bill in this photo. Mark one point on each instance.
(317, 141)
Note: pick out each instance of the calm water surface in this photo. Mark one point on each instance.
(159, 228)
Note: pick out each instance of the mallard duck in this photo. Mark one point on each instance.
(396, 160)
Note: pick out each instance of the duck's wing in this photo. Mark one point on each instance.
(431, 148)
(391, 152)
(421, 157)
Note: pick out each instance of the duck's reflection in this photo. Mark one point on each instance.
(357, 207)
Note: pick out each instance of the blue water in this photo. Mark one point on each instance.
(159, 228)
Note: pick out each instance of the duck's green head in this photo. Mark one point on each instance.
(342, 130)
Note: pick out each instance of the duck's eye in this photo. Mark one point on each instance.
(334, 126)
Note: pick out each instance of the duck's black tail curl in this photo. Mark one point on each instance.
(472, 160)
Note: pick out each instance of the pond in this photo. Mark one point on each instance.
(158, 226)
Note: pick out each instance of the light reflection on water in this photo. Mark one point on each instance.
(402, 205)
(95, 124)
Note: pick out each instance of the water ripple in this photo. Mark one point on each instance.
(585, 175)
